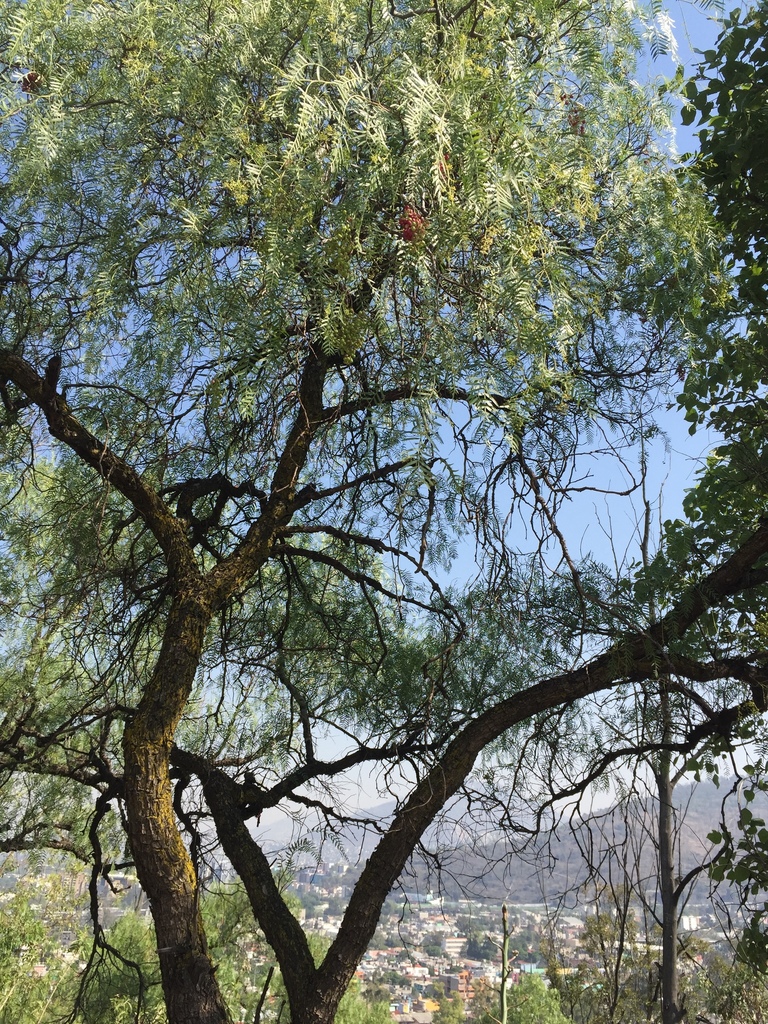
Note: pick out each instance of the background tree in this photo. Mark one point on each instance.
(451, 1011)
(354, 1009)
(298, 300)
(128, 973)
(531, 1002)
(728, 386)
(38, 973)
(734, 993)
(618, 979)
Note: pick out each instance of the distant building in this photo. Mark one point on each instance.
(459, 984)
(452, 945)
(416, 971)
(415, 897)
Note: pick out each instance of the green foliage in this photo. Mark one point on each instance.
(243, 174)
(233, 938)
(484, 1006)
(531, 1002)
(247, 185)
(742, 859)
(38, 973)
(728, 389)
(733, 992)
(339, 288)
(481, 947)
(729, 98)
(354, 1009)
(727, 385)
(125, 976)
(451, 1011)
(617, 980)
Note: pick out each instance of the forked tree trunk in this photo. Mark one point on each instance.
(164, 867)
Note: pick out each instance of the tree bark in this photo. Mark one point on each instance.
(163, 864)
(670, 995)
(162, 861)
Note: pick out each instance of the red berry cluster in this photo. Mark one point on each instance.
(574, 113)
(413, 225)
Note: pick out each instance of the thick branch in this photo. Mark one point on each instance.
(281, 929)
(733, 576)
(65, 427)
(233, 572)
(633, 659)
(258, 799)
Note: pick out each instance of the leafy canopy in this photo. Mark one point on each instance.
(300, 300)
(191, 203)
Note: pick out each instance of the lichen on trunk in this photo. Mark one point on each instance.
(163, 863)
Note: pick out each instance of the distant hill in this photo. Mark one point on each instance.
(556, 863)
(495, 866)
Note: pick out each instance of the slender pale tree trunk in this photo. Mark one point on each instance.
(503, 992)
(670, 994)
(670, 997)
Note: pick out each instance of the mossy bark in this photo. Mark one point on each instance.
(163, 864)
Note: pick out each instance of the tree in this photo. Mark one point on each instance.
(128, 973)
(727, 94)
(38, 976)
(728, 386)
(617, 981)
(528, 1002)
(451, 1011)
(640, 872)
(481, 947)
(485, 1001)
(531, 1002)
(735, 993)
(354, 1009)
(298, 300)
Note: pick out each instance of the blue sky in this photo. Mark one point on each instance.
(608, 528)
(695, 29)
(676, 457)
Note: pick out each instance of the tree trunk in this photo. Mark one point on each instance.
(670, 995)
(163, 864)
